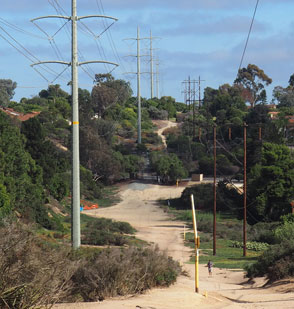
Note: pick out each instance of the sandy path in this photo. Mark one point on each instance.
(162, 125)
(224, 289)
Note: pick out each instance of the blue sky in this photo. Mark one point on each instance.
(195, 38)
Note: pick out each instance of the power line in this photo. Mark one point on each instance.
(248, 36)
(14, 27)
(27, 54)
(109, 35)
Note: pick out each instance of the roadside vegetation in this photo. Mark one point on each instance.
(35, 169)
(36, 273)
(269, 246)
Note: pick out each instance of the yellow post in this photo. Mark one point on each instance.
(184, 232)
(197, 244)
(177, 182)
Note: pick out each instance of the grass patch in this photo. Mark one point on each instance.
(228, 229)
(226, 256)
(110, 197)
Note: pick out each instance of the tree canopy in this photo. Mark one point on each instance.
(252, 81)
(7, 87)
(271, 183)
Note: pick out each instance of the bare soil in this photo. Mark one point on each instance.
(224, 289)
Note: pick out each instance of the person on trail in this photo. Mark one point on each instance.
(209, 265)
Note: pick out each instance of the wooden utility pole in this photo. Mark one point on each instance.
(259, 133)
(214, 191)
(245, 191)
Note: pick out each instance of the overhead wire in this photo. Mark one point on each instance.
(248, 36)
(60, 10)
(14, 27)
(27, 54)
(85, 29)
(219, 172)
(109, 35)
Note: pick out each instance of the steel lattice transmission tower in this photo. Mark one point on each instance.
(75, 200)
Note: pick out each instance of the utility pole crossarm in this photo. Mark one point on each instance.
(98, 61)
(98, 16)
(77, 17)
(49, 61)
(51, 16)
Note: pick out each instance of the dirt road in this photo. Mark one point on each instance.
(225, 289)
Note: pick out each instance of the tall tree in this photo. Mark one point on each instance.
(7, 87)
(284, 96)
(53, 91)
(108, 91)
(252, 81)
(20, 177)
(271, 183)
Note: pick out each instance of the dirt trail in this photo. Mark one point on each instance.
(225, 289)
(162, 125)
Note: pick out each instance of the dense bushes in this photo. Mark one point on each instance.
(124, 271)
(203, 197)
(275, 263)
(31, 274)
(102, 231)
(34, 275)
(168, 167)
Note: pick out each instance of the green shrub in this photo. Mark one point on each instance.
(277, 262)
(262, 232)
(102, 231)
(151, 138)
(203, 197)
(250, 245)
(285, 231)
(125, 271)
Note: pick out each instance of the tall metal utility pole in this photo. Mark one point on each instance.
(157, 80)
(138, 39)
(190, 91)
(193, 109)
(199, 91)
(151, 38)
(138, 87)
(151, 65)
(76, 196)
(75, 200)
(190, 98)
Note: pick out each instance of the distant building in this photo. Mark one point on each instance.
(273, 115)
